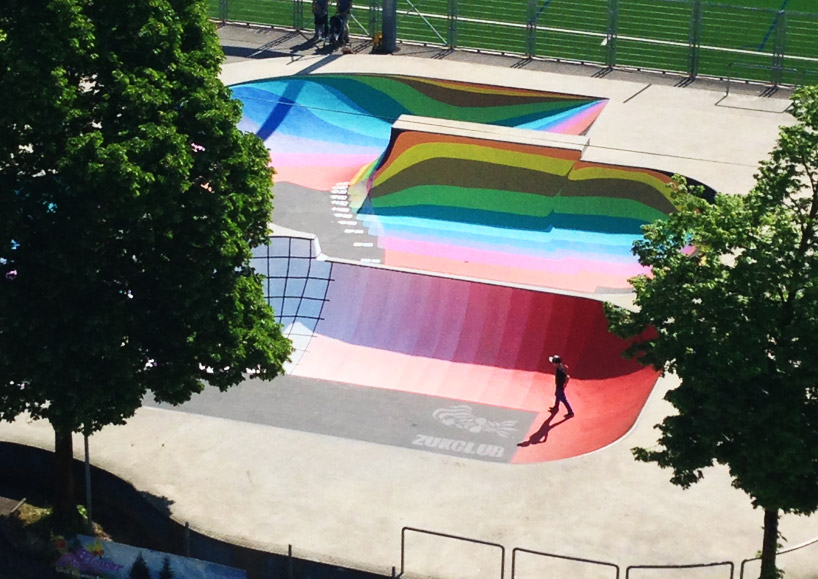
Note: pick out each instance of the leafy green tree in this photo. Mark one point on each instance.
(733, 304)
(139, 569)
(129, 203)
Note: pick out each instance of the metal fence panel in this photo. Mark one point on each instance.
(660, 20)
(801, 39)
(692, 37)
(738, 28)
(585, 16)
(274, 12)
(502, 38)
(493, 10)
(362, 20)
(571, 30)
(571, 45)
(213, 9)
(654, 34)
(492, 25)
(737, 40)
(423, 21)
(639, 54)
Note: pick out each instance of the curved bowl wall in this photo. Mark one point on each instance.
(457, 339)
(322, 128)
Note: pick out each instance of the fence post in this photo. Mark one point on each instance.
(389, 26)
(451, 37)
(610, 37)
(695, 38)
(780, 47)
(375, 19)
(298, 14)
(531, 29)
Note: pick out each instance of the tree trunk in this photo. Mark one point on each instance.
(770, 545)
(65, 491)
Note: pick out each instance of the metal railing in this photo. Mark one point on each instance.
(750, 66)
(555, 556)
(693, 566)
(447, 536)
(688, 37)
(614, 567)
(784, 552)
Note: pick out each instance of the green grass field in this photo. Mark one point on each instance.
(737, 38)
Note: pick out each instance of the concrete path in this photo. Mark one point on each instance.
(345, 501)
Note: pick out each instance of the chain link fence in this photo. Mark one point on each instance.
(689, 37)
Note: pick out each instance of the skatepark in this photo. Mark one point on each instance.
(436, 237)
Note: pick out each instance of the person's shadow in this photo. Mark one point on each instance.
(541, 435)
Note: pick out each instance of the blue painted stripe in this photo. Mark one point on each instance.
(600, 223)
(485, 232)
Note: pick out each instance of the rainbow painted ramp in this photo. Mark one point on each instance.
(507, 205)
(461, 340)
(322, 128)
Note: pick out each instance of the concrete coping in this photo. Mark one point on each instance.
(491, 132)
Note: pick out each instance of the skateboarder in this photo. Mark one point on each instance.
(561, 378)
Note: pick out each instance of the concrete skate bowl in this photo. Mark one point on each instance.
(494, 206)
(322, 128)
(469, 225)
(509, 212)
(457, 339)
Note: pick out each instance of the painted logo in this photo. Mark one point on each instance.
(461, 416)
(461, 446)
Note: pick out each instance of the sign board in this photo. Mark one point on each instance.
(84, 556)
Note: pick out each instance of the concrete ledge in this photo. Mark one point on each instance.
(490, 132)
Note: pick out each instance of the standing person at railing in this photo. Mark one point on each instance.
(343, 8)
(320, 14)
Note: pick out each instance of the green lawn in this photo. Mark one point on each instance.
(737, 37)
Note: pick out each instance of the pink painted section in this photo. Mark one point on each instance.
(316, 164)
(320, 177)
(589, 279)
(378, 368)
(568, 262)
(478, 343)
(304, 160)
(579, 123)
(605, 411)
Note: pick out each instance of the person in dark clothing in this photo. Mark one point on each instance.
(343, 8)
(561, 378)
(320, 14)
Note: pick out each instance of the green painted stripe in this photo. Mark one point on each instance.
(516, 203)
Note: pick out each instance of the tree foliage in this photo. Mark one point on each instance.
(129, 203)
(733, 300)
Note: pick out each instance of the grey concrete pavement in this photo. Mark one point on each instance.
(345, 501)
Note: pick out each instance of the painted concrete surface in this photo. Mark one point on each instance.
(470, 189)
(467, 341)
(345, 501)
